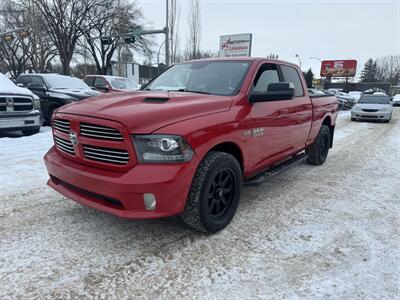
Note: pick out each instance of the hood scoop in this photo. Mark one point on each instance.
(155, 99)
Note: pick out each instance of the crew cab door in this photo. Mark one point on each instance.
(279, 127)
(299, 108)
(269, 135)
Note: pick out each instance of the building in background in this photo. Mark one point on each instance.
(138, 73)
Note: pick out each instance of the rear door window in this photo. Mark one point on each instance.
(290, 74)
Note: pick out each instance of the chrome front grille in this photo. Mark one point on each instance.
(100, 132)
(15, 104)
(107, 155)
(64, 145)
(61, 125)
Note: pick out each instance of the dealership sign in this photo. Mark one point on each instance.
(338, 68)
(235, 45)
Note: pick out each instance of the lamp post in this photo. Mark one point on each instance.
(158, 54)
(167, 55)
(298, 56)
(317, 58)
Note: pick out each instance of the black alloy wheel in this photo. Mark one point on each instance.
(221, 194)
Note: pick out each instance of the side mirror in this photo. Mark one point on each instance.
(275, 91)
(37, 87)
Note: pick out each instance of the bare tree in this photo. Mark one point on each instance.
(64, 20)
(194, 22)
(388, 68)
(33, 53)
(174, 14)
(12, 53)
(40, 48)
(116, 18)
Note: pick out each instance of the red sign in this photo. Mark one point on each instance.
(338, 68)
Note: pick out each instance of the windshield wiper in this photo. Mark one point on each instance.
(189, 91)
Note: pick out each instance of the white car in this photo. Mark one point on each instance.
(396, 100)
(19, 108)
(356, 95)
(372, 107)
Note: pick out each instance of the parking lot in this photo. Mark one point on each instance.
(311, 232)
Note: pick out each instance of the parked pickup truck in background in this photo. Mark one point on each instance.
(55, 90)
(185, 143)
(19, 108)
(109, 84)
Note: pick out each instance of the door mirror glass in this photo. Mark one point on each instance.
(275, 91)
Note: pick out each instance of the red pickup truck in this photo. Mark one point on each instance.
(185, 143)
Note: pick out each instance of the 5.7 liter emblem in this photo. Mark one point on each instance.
(74, 138)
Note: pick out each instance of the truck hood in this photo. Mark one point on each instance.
(75, 93)
(147, 111)
(8, 87)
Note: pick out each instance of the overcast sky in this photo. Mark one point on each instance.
(325, 29)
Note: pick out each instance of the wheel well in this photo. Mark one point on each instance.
(327, 121)
(232, 149)
(51, 108)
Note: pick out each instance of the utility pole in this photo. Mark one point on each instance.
(167, 55)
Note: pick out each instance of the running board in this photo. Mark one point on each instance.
(283, 166)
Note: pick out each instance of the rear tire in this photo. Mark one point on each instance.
(214, 193)
(318, 152)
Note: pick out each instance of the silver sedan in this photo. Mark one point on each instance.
(372, 107)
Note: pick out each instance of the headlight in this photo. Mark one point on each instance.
(162, 149)
(356, 108)
(387, 108)
(36, 104)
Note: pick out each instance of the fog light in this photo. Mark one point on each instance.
(149, 201)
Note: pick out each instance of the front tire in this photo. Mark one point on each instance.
(28, 132)
(318, 152)
(214, 194)
(50, 115)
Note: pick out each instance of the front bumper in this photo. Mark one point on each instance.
(121, 193)
(362, 115)
(20, 121)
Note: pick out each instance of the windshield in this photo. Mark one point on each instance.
(374, 99)
(208, 77)
(123, 84)
(65, 82)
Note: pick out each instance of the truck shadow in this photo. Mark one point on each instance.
(11, 134)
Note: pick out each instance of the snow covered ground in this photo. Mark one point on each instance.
(311, 232)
